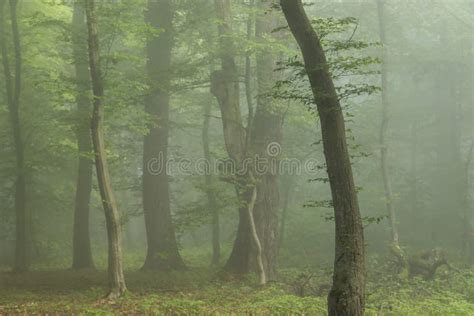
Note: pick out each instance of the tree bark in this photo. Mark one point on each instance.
(211, 198)
(414, 177)
(255, 237)
(266, 133)
(448, 185)
(13, 91)
(225, 87)
(383, 129)
(395, 248)
(162, 251)
(112, 217)
(468, 232)
(248, 71)
(288, 183)
(82, 254)
(347, 295)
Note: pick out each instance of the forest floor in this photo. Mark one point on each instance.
(205, 292)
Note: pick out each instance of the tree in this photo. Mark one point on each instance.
(210, 192)
(266, 131)
(225, 87)
(256, 242)
(82, 254)
(13, 92)
(112, 217)
(395, 243)
(162, 250)
(347, 295)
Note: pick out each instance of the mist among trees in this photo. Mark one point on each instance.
(228, 157)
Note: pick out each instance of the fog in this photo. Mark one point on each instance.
(221, 169)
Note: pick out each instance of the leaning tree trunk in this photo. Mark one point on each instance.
(162, 251)
(112, 217)
(13, 90)
(347, 295)
(265, 143)
(395, 243)
(225, 87)
(81, 252)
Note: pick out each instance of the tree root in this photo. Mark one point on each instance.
(115, 294)
(424, 264)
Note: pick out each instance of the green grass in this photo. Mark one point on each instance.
(201, 291)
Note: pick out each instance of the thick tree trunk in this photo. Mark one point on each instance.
(162, 251)
(448, 187)
(13, 90)
(112, 217)
(248, 71)
(266, 136)
(81, 252)
(211, 198)
(225, 87)
(347, 295)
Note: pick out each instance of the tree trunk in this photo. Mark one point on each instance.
(414, 177)
(81, 253)
(347, 295)
(395, 243)
(287, 189)
(468, 232)
(255, 237)
(266, 136)
(448, 185)
(248, 71)
(13, 90)
(112, 217)
(162, 251)
(225, 87)
(383, 129)
(211, 198)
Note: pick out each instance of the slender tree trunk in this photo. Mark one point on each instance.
(395, 243)
(287, 188)
(347, 295)
(468, 232)
(414, 177)
(383, 130)
(162, 250)
(112, 217)
(211, 198)
(82, 254)
(225, 87)
(13, 91)
(255, 237)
